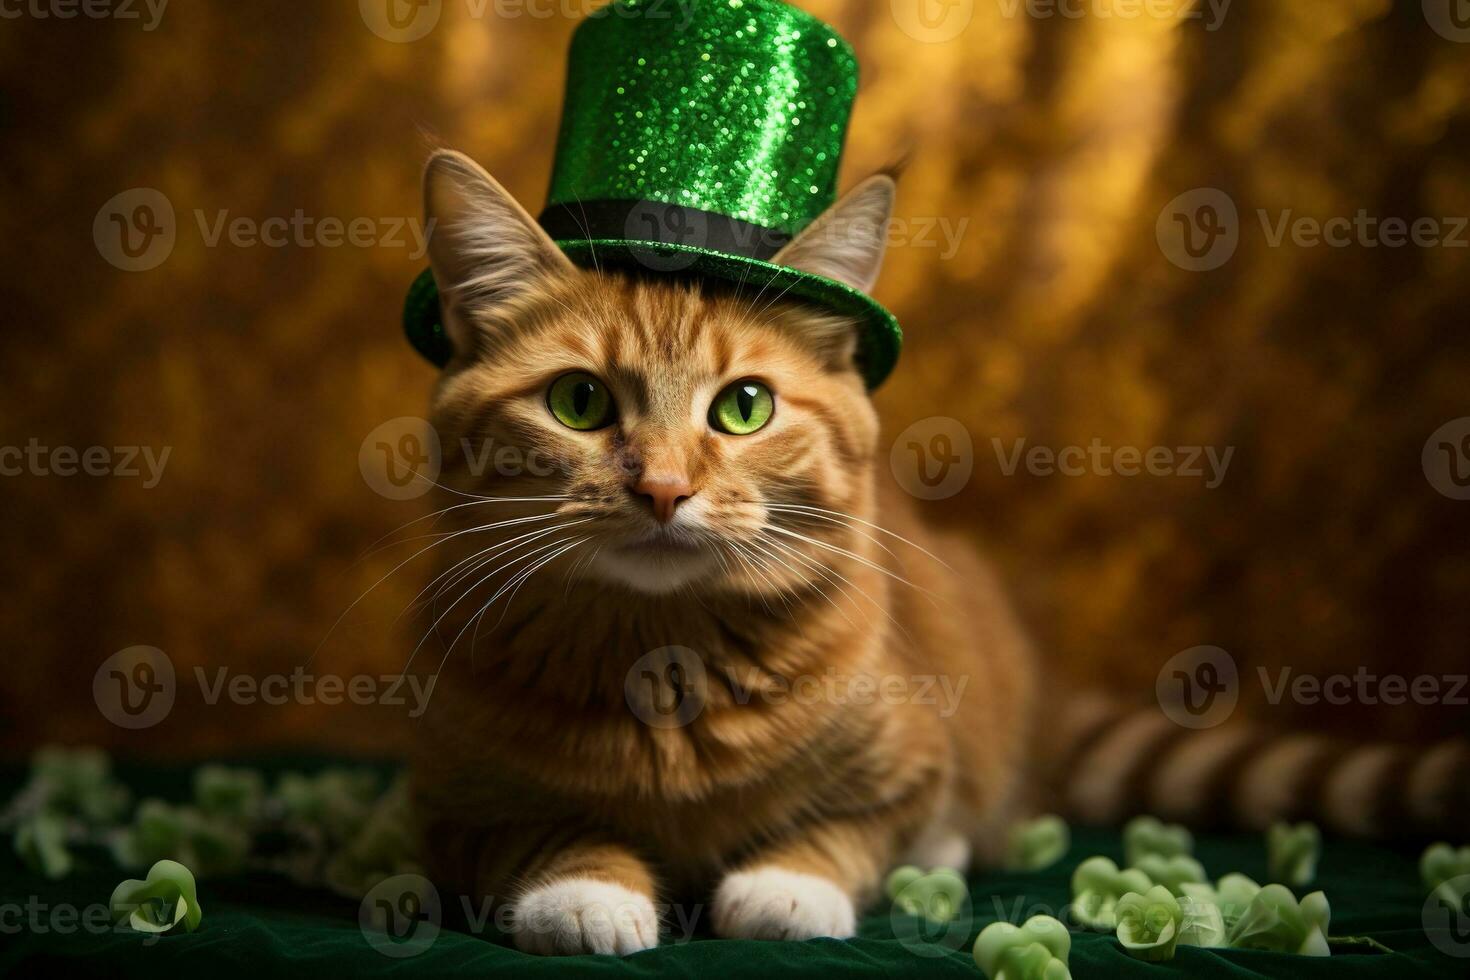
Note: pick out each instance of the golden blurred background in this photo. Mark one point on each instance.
(1049, 137)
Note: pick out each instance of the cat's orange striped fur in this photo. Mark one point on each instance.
(788, 792)
(794, 788)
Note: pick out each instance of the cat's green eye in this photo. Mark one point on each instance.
(579, 401)
(742, 408)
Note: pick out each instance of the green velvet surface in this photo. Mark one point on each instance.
(261, 926)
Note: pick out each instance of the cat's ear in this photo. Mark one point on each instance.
(487, 253)
(848, 241)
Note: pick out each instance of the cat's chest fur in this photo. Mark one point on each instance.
(692, 729)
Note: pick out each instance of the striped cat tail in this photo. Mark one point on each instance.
(1116, 761)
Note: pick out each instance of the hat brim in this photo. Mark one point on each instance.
(879, 336)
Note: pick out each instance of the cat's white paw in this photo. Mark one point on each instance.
(583, 915)
(772, 903)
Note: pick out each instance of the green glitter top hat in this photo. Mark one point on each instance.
(698, 137)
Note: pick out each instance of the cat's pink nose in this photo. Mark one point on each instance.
(664, 492)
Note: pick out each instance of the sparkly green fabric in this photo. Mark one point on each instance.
(741, 111)
(737, 108)
(262, 925)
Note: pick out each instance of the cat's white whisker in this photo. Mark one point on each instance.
(575, 568)
(505, 553)
(852, 556)
(481, 558)
(448, 536)
(746, 559)
(374, 549)
(776, 299)
(804, 579)
(877, 527)
(526, 576)
(517, 580)
(828, 572)
(434, 627)
(784, 509)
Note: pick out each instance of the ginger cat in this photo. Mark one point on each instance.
(695, 658)
(810, 763)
